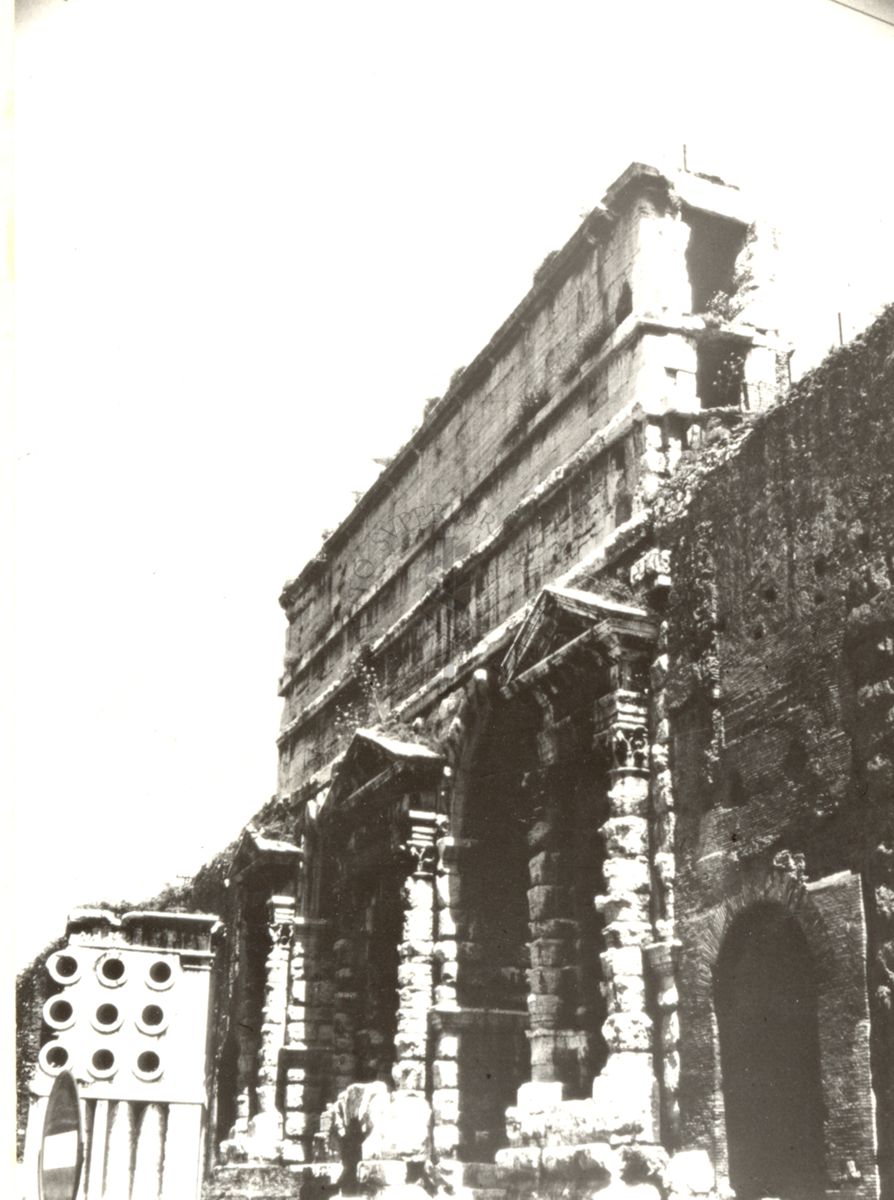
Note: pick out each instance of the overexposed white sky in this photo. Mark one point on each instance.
(251, 240)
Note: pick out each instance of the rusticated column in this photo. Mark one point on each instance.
(344, 1059)
(308, 1036)
(662, 954)
(415, 969)
(626, 1088)
(553, 976)
(267, 1124)
(445, 1070)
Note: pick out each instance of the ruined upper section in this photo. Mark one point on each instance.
(655, 311)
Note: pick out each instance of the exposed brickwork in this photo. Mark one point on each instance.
(779, 694)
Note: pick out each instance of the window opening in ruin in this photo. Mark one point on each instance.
(720, 373)
(766, 1005)
(714, 245)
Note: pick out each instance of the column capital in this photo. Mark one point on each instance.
(425, 828)
(280, 919)
(621, 728)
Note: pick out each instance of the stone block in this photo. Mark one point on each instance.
(595, 1162)
(626, 875)
(448, 1045)
(620, 934)
(375, 1174)
(297, 1124)
(541, 835)
(445, 1105)
(549, 952)
(624, 960)
(562, 928)
(409, 1075)
(545, 868)
(547, 901)
(401, 1129)
(414, 977)
(629, 796)
(643, 1163)
(536, 1097)
(552, 981)
(689, 1173)
(626, 836)
(628, 1031)
(445, 1139)
(628, 908)
(627, 993)
(625, 1095)
(521, 1163)
(546, 1011)
(410, 1045)
(445, 1073)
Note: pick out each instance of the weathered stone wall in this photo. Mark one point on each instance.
(780, 696)
(558, 432)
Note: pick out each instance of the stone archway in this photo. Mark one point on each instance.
(766, 1004)
(829, 917)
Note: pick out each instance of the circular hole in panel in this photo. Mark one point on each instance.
(58, 1012)
(152, 1019)
(106, 1018)
(102, 1064)
(111, 970)
(148, 1065)
(64, 968)
(160, 974)
(53, 1057)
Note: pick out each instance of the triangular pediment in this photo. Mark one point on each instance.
(373, 756)
(562, 617)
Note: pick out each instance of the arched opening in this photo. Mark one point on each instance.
(765, 999)
(493, 1058)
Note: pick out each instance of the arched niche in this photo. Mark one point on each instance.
(765, 998)
(829, 914)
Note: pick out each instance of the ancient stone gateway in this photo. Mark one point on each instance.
(579, 877)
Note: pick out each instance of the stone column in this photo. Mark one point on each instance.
(415, 975)
(308, 1036)
(445, 1070)
(266, 1127)
(662, 954)
(344, 1009)
(554, 974)
(626, 1089)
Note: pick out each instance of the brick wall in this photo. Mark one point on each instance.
(781, 689)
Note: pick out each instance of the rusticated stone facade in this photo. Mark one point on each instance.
(579, 876)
